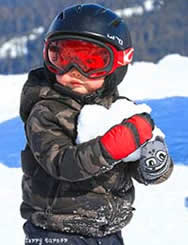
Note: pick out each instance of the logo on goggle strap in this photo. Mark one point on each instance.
(115, 38)
(128, 55)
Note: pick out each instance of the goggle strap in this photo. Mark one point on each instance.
(128, 55)
(125, 57)
(122, 57)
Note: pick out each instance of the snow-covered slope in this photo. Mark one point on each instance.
(161, 217)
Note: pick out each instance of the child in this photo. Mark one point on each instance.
(83, 193)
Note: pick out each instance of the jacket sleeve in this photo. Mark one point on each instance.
(55, 150)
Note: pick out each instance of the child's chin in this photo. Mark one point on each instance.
(80, 90)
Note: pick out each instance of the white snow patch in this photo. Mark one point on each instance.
(148, 6)
(128, 12)
(96, 120)
(145, 80)
(160, 216)
(17, 47)
(10, 91)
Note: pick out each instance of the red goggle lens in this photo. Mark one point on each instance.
(88, 56)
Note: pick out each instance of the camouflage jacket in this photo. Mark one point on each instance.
(68, 187)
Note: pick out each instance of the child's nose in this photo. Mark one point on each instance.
(75, 73)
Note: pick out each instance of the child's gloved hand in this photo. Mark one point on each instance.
(123, 139)
(154, 160)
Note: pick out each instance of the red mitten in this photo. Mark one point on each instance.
(125, 138)
(144, 125)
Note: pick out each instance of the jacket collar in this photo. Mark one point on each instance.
(38, 88)
(93, 98)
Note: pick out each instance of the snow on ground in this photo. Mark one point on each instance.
(146, 80)
(160, 218)
(10, 90)
(10, 221)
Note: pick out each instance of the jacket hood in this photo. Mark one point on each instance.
(39, 87)
(36, 88)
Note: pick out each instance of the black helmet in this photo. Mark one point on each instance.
(91, 20)
(96, 22)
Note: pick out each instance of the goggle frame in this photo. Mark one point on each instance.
(118, 58)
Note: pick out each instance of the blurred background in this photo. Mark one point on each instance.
(158, 28)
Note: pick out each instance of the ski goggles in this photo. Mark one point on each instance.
(93, 59)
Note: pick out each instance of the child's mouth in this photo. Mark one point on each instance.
(76, 83)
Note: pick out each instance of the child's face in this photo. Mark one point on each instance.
(79, 83)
